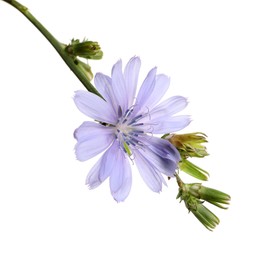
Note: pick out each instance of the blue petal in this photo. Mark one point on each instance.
(118, 85)
(146, 89)
(148, 172)
(164, 149)
(161, 154)
(104, 86)
(102, 169)
(161, 86)
(120, 180)
(88, 129)
(93, 179)
(131, 74)
(94, 107)
(171, 124)
(168, 108)
(92, 140)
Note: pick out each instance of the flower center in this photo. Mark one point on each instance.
(128, 131)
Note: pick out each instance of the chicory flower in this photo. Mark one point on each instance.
(125, 127)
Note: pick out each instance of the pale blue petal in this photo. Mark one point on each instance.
(161, 86)
(171, 124)
(102, 169)
(90, 143)
(168, 108)
(120, 180)
(94, 107)
(93, 180)
(103, 84)
(146, 89)
(118, 85)
(162, 147)
(88, 130)
(148, 172)
(131, 74)
(161, 154)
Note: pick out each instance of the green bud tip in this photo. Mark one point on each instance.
(205, 216)
(215, 197)
(85, 49)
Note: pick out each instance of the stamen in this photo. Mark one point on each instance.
(129, 132)
(128, 112)
(124, 149)
(119, 112)
(133, 134)
(136, 142)
(138, 124)
(131, 142)
(138, 131)
(135, 119)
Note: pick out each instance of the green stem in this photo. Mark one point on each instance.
(179, 181)
(60, 48)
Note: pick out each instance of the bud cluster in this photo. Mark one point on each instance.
(194, 195)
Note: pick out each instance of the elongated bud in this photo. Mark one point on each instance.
(189, 145)
(212, 196)
(203, 214)
(85, 49)
(193, 170)
(194, 195)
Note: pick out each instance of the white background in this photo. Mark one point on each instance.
(216, 55)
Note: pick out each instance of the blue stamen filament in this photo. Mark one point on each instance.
(129, 132)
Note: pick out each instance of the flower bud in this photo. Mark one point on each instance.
(85, 49)
(194, 195)
(85, 68)
(193, 170)
(203, 214)
(212, 196)
(189, 145)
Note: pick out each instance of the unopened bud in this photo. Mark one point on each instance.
(212, 196)
(85, 49)
(189, 145)
(203, 214)
(193, 170)
(85, 68)
(194, 196)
